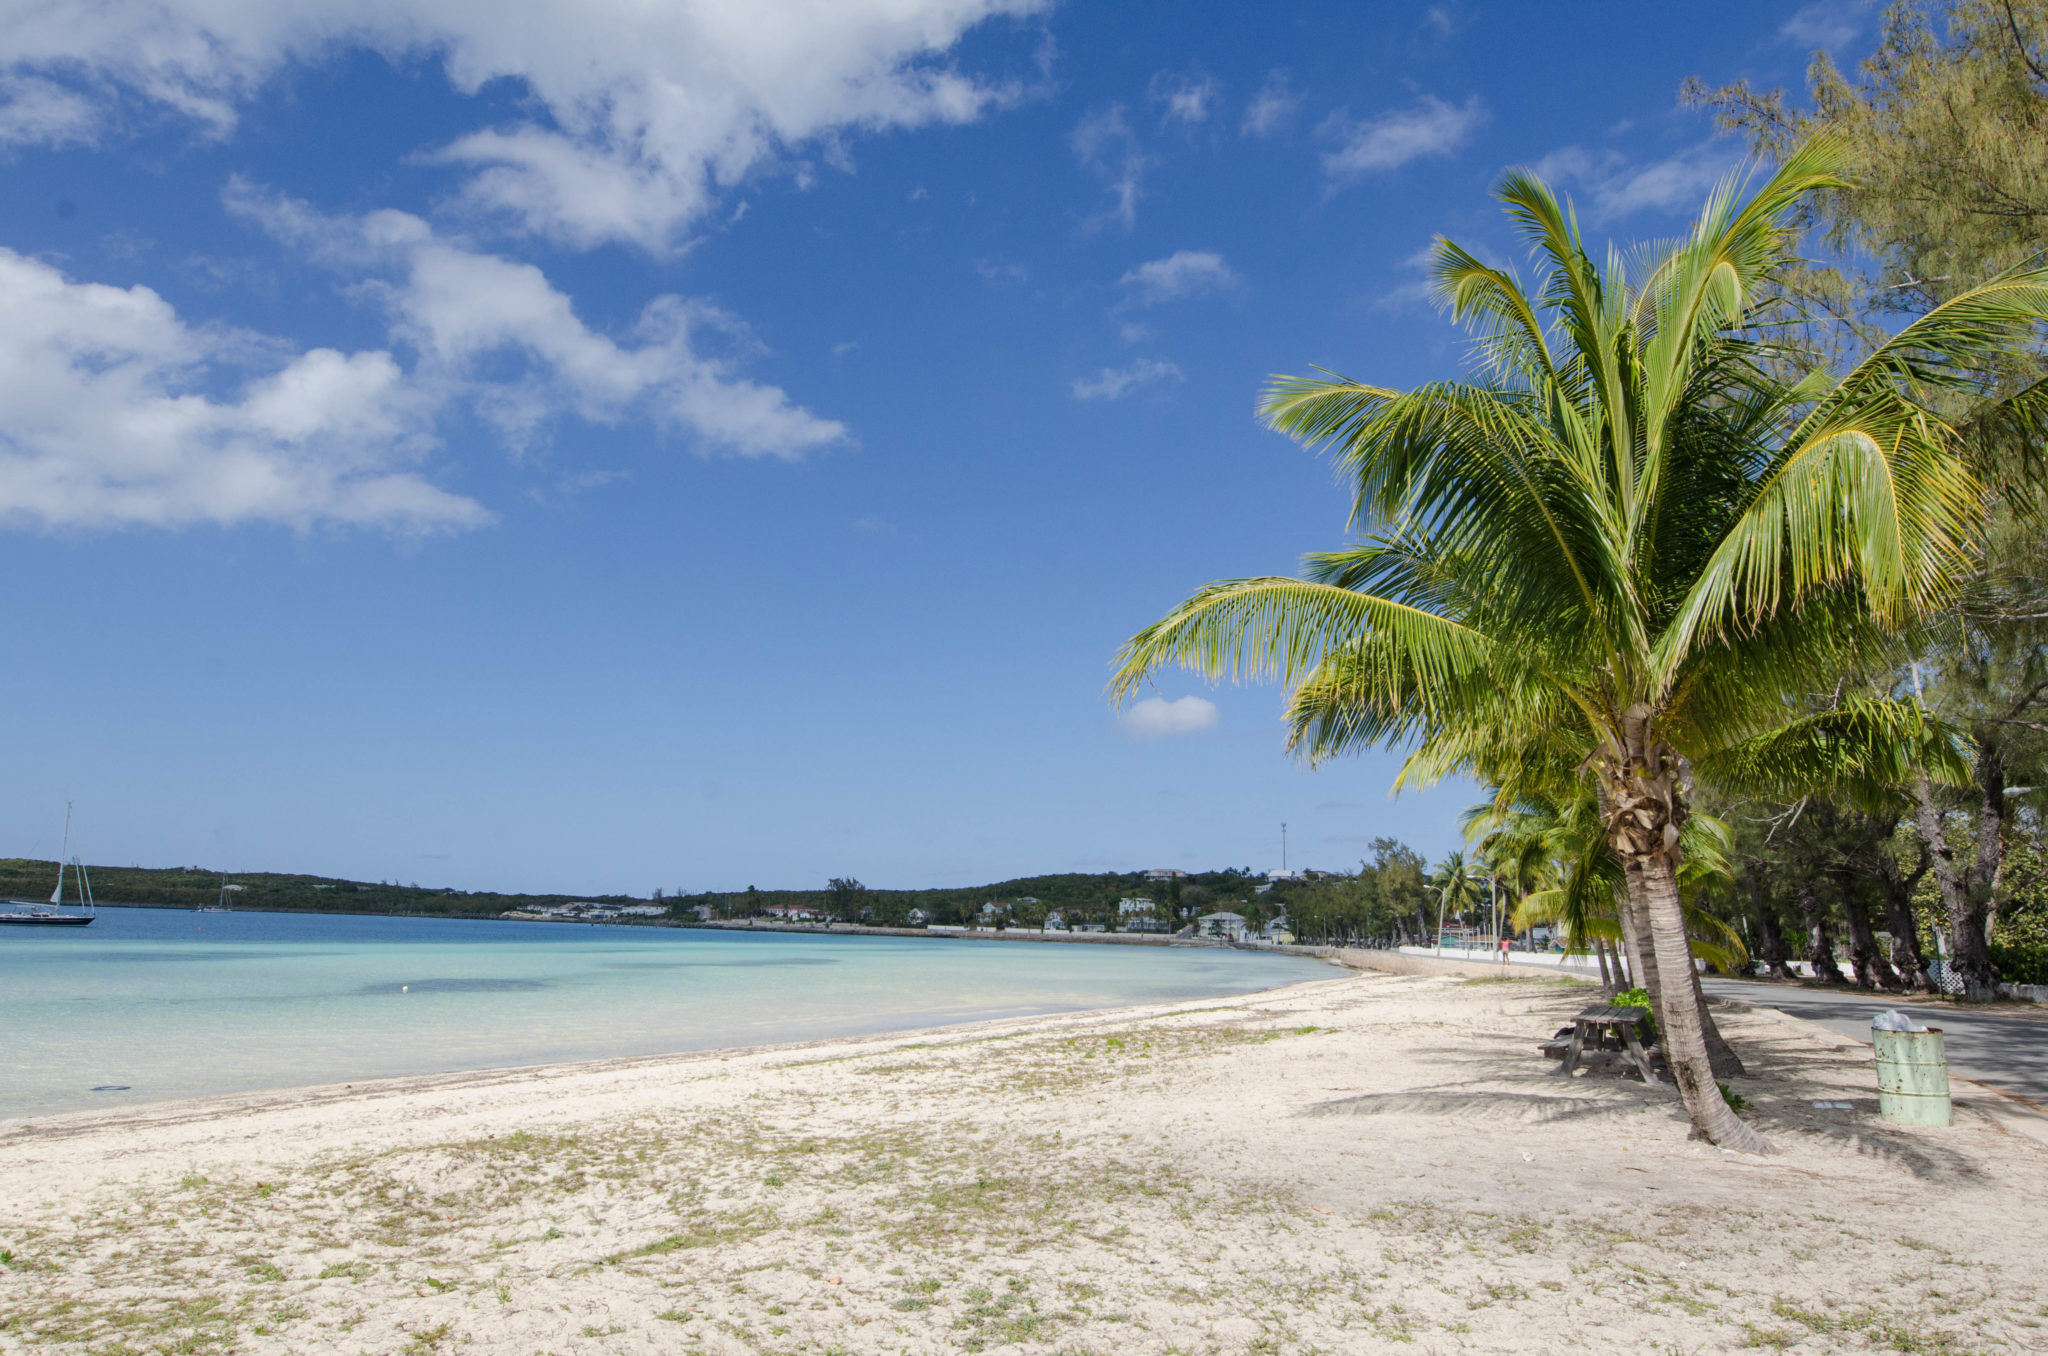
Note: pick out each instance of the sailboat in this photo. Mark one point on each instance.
(219, 905)
(36, 913)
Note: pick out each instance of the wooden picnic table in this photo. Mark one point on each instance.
(1611, 1031)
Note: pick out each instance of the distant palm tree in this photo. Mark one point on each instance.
(1623, 549)
(1567, 877)
(1456, 887)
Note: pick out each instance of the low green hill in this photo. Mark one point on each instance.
(1025, 901)
(188, 887)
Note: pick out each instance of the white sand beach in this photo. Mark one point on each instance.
(1335, 1167)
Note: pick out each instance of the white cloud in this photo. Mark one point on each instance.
(1188, 98)
(1113, 383)
(1829, 23)
(1417, 290)
(1271, 107)
(114, 412)
(1157, 718)
(1002, 271)
(1182, 274)
(1107, 148)
(643, 112)
(38, 112)
(468, 314)
(1431, 127)
(1618, 187)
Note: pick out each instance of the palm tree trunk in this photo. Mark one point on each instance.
(1635, 911)
(1606, 977)
(1635, 938)
(1685, 1042)
(1720, 1054)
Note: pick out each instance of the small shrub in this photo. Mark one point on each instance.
(2021, 962)
(1639, 998)
(1735, 1100)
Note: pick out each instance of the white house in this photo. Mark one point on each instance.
(792, 913)
(1166, 873)
(645, 910)
(1127, 907)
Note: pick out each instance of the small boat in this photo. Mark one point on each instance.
(36, 913)
(219, 905)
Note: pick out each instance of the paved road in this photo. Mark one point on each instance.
(2006, 1048)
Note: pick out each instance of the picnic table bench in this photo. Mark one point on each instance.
(1600, 1034)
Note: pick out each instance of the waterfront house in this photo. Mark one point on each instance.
(792, 913)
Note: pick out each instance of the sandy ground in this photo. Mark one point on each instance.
(1341, 1166)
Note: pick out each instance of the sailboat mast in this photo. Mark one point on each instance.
(57, 895)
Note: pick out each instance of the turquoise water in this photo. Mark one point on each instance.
(154, 1003)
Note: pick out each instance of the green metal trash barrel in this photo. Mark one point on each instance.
(1912, 1077)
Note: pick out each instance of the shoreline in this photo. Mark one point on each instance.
(14, 1128)
(213, 1106)
(742, 925)
(1312, 1167)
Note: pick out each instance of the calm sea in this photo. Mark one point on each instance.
(154, 1003)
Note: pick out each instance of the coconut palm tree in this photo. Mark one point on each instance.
(1456, 887)
(1624, 548)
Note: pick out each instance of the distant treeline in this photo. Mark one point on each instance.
(1357, 905)
(188, 887)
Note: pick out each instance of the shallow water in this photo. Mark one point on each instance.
(154, 1003)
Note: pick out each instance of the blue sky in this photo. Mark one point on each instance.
(582, 448)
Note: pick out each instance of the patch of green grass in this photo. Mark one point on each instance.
(708, 1232)
(429, 1339)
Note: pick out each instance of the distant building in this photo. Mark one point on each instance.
(1140, 905)
(1054, 922)
(792, 913)
(1230, 926)
(1166, 873)
(645, 910)
(918, 918)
